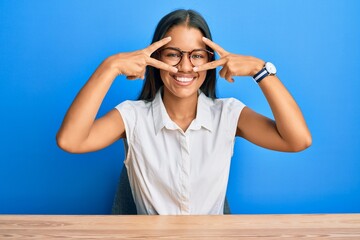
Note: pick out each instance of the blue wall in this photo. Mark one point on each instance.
(48, 50)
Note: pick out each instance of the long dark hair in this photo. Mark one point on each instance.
(190, 18)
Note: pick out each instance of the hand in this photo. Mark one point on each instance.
(232, 64)
(133, 64)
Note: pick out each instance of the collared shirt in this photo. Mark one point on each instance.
(175, 172)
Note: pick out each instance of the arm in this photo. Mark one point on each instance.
(289, 131)
(81, 131)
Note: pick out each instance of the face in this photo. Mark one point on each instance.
(185, 83)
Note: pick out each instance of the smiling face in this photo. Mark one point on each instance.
(185, 83)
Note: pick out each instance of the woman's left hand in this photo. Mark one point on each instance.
(232, 64)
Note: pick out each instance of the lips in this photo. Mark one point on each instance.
(183, 79)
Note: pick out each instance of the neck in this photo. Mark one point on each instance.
(180, 109)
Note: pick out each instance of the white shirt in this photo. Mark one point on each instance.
(176, 172)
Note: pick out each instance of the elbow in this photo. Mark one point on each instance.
(65, 144)
(301, 144)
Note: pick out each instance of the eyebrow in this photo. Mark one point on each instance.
(184, 50)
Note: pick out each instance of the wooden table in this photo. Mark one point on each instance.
(328, 226)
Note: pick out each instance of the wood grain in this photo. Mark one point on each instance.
(327, 226)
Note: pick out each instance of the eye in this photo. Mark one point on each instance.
(173, 55)
(197, 56)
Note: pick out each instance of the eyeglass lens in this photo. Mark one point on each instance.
(174, 56)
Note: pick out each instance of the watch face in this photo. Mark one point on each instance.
(270, 68)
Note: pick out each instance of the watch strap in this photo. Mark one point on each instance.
(261, 75)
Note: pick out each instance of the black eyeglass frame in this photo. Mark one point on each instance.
(210, 54)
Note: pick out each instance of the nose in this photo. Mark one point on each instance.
(185, 64)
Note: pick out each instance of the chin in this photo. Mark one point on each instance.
(181, 92)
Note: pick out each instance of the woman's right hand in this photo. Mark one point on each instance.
(133, 64)
(80, 130)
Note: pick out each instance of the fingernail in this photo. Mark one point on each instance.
(175, 69)
(168, 38)
(195, 69)
(204, 38)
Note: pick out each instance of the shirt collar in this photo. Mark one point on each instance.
(204, 116)
(162, 119)
(160, 116)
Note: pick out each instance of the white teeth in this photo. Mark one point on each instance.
(184, 79)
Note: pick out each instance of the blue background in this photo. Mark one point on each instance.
(48, 50)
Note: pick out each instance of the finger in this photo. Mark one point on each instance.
(132, 77)
(161, 65)
(210, 65)
(215, 46)
(223, 72)
(228, 77)
(156, 45)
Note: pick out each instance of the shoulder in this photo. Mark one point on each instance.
(131, 110)
(133, 113)
(223, 112)
(228, 102)
(223, 104)
(133, 105)
(222, 108)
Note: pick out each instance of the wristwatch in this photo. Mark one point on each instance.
(268, 69)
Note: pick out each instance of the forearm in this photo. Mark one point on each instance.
(289, 121)
(81, 115)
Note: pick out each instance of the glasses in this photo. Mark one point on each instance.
(173, 56)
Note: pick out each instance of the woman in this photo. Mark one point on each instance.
(179, 137)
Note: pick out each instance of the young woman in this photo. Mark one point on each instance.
(179, 136)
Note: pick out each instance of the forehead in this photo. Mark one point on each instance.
(185, 38)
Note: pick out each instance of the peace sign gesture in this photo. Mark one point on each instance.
(133, 64)
(232, 64)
